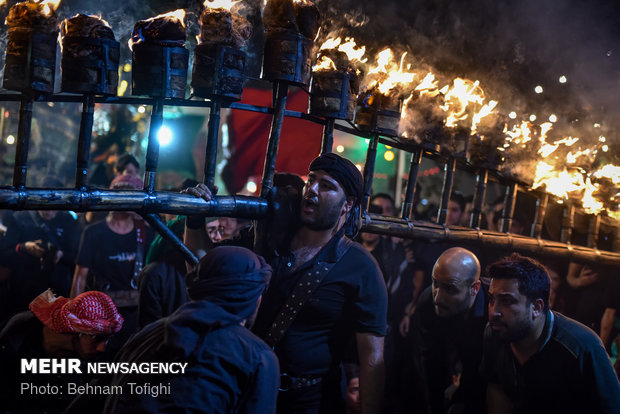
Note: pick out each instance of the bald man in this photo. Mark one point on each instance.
(448, 326)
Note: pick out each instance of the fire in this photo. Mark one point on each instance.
(2, 3)
(458, 97)
(304, 2)
(548, 149)
(349, 47)
(429, 86)
(221, 4)
(558, 182)
(324, 64)
(49, 6)
(331, 43)
(520, 134)
(573, 157)
(590, 204)
(487, 109)
(403, 110)
(609, 171)
(178, 15)
(353, 52)
(388, 75)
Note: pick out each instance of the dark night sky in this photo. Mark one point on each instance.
(509, 45)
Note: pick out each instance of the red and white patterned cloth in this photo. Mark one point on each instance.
(92, 313)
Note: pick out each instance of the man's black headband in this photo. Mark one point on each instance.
(343, 171)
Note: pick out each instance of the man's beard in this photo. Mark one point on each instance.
(513, 333)
(324, 220)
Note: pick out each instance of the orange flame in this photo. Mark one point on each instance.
(403, 111)
(349, 47)
(178, 14)
(324, 64)
(609, 171)
(519, 135)
(388, 74)
(458, 97)
(220, 4)
(49, 6)
(548, 149)
(487, 109)
(558, 182)
(590, 204)
(429, 86)
(353, 52)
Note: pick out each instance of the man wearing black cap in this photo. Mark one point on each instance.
(326, 290)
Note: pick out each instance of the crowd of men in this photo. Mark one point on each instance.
(317, 320)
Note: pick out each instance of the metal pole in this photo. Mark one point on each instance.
(369, 170)
(280, 93)
(414, 167)
(479, 196)
(488, 239)
(131, 200)
(328, 136)
(2, 122)
(83, 151)
(24, 127)
(448, 182)
(509, 207)
(170, 237)
(213, 131)
(279, 106)
(541, 211)
(568, 215)
(616, 242)
(152, 150)
(593, 230)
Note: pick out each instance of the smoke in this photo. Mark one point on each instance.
(511, 47)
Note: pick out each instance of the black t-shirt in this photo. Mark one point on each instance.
(350, 299)
(570, 373)
(445, 341)
(109, 256)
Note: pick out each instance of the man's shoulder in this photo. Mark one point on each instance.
(574, 336)
(359, 254)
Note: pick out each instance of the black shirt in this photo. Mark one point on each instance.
(443, 342)
(570, 373)
(109, 256)
(351, 298)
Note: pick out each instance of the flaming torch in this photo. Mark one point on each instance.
(29, 67)
(335, 84)
(219, 65)
(89, 66)
(290, 27)
(159, 69)
(219, 62)
(378, 107)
